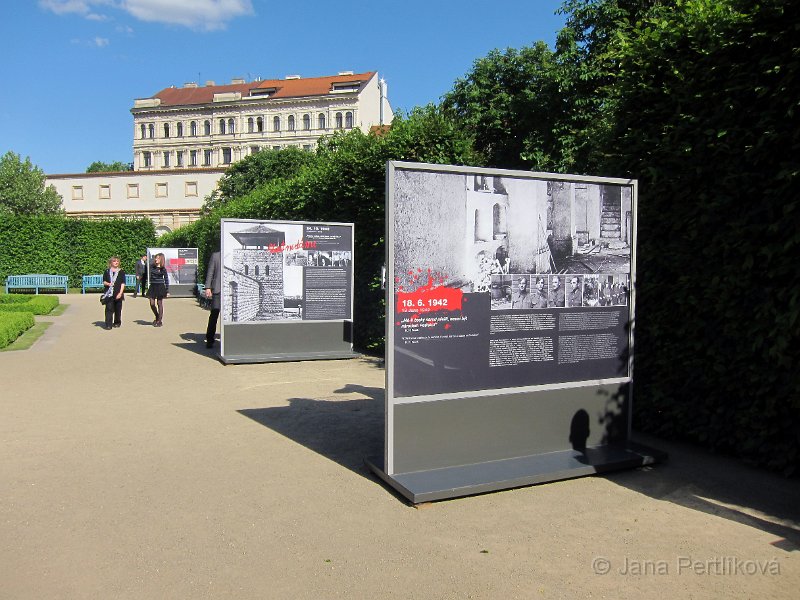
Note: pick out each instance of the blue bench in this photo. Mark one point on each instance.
(201, 296)
(36, 282)
(96, 282)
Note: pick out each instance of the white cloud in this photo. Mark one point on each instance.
(205, 15)
(196, 14)
(100, 42)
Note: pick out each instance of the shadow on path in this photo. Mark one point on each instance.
(344, 431)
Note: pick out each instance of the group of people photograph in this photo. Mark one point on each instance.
(528, 291)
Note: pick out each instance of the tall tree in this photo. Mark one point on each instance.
(22, 188)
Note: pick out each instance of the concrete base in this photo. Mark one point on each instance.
(453, 482)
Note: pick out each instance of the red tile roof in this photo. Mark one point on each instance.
(285, 88)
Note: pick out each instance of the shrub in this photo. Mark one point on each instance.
(37, 305)
(12, 325)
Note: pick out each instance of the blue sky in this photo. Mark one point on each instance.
(72, 68)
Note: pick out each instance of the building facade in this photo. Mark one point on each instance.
(213, 126)
(184, 139)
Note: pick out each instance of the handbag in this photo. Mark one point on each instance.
(106, 296)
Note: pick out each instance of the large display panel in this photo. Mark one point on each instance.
(509, 328)
(287, 290)
(181, 265)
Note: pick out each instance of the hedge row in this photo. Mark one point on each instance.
(59, 245)
(13, 324)
(38, 305)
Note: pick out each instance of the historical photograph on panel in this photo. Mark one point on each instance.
(501, 292)
(591, 290)
(574, 292)
(258, 281)
(613, 290)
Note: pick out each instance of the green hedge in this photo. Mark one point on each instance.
(38, 305)
(12, 325)
(59, 245)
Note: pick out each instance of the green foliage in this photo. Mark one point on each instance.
(40, 304)
(62, 246)
(114, 167)
(22, 189)
(12, 325)
(255, 170)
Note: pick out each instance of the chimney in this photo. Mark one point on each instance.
(210, 84)
(190, 84)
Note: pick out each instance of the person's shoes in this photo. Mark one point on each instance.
(117, 324)
(159, 323)
(107, 327)
(209, 343)
(134, 294)
(155, 323)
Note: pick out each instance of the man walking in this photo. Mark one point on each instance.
(141, 275)
(212, 291)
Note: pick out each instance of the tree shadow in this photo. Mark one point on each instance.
(344, 431)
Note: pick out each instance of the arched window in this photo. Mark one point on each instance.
(180, 129)
(321, 121)
(250, 125)
(338, 120)
(207, 128)
(222, 126)
(193, 129)
(256, 270)
(246, 269)
(306, 121)
(499, 228)
(260, 124)
(276, 124)
(348, 120)
(166, 130)
(151, 131)
(476, 229)
(143, 129)
(290, 123)
(234, 301)
(231, 126)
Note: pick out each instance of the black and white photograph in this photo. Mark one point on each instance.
(556, 297)
(574, 291)
(591, 289)
(501, 291)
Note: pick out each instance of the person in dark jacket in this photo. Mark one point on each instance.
(141, 275)
(212, 291)
(114, 283)
(158, 282)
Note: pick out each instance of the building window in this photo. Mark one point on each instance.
(147, 159)
(179, 158)
(166, 159)
(251, 126)
(276, 147)
(105, 192)
(193, 128)
(191, 189)
(226, 156)
(338, 120)
(246, 270)
(207, 158)
(231, 126)
(133, 190)
(321, 121)
(348, 120)
(166, 130)
(143, 130)
(276, 124)
(161, 190)
(254, 149)
(307, 147)
(179, 128)
(256, 271)
(260, 124)
(77, 192)
(222, 126)
(151, 131)
(193, 158)
(306, 121)
(290, 123)
(207, 128)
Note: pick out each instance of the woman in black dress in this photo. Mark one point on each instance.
(159, 288)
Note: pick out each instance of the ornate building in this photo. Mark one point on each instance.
(212, 126)
(185, 138)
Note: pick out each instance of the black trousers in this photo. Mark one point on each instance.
(211, 330)
(113, 311)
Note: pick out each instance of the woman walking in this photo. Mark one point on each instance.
(159, 288)
(114, 282)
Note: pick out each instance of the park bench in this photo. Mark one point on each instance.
(96, 282)
(36, 282)
(201, 296)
